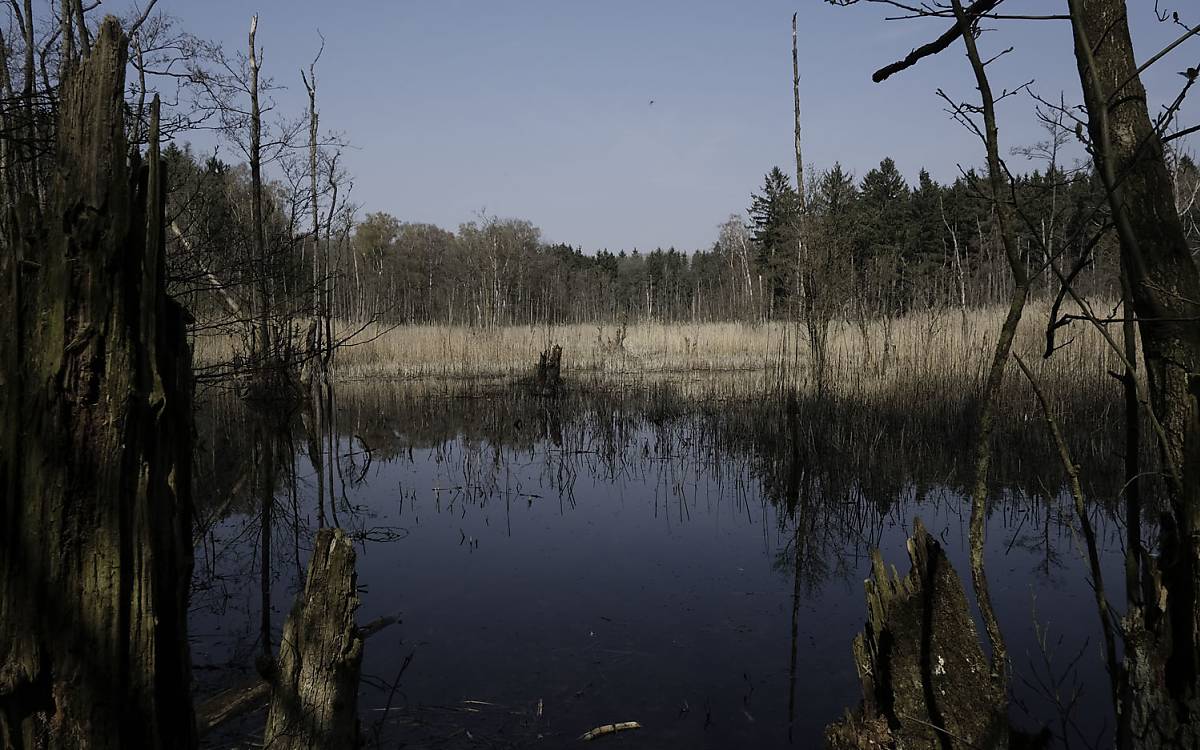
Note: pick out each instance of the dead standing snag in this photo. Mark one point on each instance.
(95, 443)
(925, 680)
(314, 688)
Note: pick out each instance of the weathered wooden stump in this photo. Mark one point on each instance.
(255, 693)
(547, 380)
(925, 680)
(95, 442)
(314, 686)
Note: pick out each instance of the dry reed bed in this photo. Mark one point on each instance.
(930, 348)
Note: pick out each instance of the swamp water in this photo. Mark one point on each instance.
(694, 564)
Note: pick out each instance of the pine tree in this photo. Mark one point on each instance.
(885, 222)
(774, 216)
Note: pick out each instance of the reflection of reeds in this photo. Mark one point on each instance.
(824, 479)
(882, 441)
(830, 469)
(927, 351)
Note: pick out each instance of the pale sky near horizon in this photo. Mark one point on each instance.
(541, 109)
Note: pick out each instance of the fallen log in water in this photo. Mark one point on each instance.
(230, 704)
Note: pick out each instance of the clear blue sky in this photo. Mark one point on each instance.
(540, 109)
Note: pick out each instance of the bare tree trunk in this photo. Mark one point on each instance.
(1133, 451)
(1016, 306)
(1161, 697)
(262, 344)
(744, 256)
(66, 39)
(263, 360)
(318, 284)
(95, 444)
(29, 79)
(85, 38)
(813, 307)
(327, 281)
(7, 164)
(796, 109)
(958, 267)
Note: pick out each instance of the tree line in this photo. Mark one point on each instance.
(876, 246)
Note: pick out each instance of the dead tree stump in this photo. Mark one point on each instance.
(548, 379)
(95, 442)
(314, 687)
(925, 680)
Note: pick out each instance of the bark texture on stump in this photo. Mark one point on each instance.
(95, 444)
(233, 702)
(925, 680)
(314, 695)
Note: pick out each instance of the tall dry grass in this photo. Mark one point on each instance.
(920, 354)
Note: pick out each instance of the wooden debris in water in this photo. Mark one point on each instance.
(600, 731)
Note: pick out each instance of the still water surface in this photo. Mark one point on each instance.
(562, 566)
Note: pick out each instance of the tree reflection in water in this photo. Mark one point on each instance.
(689, 558)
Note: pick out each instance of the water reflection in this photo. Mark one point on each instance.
(693, 563)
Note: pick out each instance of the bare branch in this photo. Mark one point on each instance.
(970, 15)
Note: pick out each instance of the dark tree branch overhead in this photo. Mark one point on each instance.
(137, 24)
(1161, 54)
(971, 14)
(1181, 133)
(942, 10)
